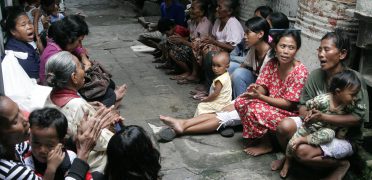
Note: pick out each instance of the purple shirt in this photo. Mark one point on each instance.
(51, 49)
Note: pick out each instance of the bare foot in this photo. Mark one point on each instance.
(173, 123)
(340, 171)
(260, 149)
(120, 92)
(277, 164)
(286, 166)
(296, 142)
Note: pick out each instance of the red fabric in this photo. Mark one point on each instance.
(257, 116)
(182, 31)
(63, 96)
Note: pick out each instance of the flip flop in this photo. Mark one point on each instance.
(177, 77)
(167, 134)
(199, 96)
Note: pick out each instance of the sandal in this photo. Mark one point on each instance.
(167, 134)
(199, 96)
(178, 77)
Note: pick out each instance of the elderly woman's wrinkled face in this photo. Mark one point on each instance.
(222, 10)
(329, 55)
(78, 75)
(196, 11)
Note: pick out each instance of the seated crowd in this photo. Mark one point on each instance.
(250, 77)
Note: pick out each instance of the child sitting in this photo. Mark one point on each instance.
(343, 90)
(220, 92)
(48, 128)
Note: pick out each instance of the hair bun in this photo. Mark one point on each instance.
(50, 79)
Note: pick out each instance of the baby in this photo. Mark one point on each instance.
(220, 92)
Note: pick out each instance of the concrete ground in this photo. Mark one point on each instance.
(113, 29)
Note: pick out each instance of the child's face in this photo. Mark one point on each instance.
(220, 64)
(171, 31)
(23, 30)
(43, 140)
(347, 95)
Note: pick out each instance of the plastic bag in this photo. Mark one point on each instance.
(19, 86)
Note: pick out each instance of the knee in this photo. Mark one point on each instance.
(303, 152)
(287, 127)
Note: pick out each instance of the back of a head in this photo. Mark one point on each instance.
(257, 24)
(131, 155)
(264, 11)
(68, 30)
(278, 20)
(165, 24)
(59, 68)
(49, 117)
(233, 6)
(346, 78)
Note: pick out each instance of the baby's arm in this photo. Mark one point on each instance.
(322, 136)
(217, 89)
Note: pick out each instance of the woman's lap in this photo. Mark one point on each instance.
(337, 148)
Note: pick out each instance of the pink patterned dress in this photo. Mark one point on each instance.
(258, 116)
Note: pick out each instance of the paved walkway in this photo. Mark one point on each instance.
(113, 29)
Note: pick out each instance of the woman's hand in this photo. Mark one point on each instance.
(108, 116)
(55, 158)
(87, 134)
(252, 92)
(176, 39)
(313, 115)
(209, 40)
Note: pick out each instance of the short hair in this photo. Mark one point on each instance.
(340, 39)
(264, 11)
(278, 20)
(59, 68)
(11, 15)
(344, 79)
(257, 24)
(47, 118)
(165, 24)
(68, 30)
(130, 154)
(294, 33)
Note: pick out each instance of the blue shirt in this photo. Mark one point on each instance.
(31, 64)
(175, 11)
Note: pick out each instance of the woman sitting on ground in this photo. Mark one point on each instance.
(260, 109)
(180, 49)
(67, 35)
(334, 49)
(65, 74)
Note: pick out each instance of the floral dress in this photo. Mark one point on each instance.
(258, 116)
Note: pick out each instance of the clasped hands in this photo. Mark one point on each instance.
(252, 92)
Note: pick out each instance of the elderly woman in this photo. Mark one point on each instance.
(67, 35)
(65, 74)
(334, 49)
(180, 49)
(14, 130)
(227, 32)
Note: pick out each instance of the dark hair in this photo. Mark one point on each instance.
(344, 79)
(131, 155)
(232, 5)
(165, 24)
(10, 15)
(340, 39)
(278, 20)
(257, 24)
(45, 4)
(68, 30)
(264, 11)
(49, 117)
(295, 34)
